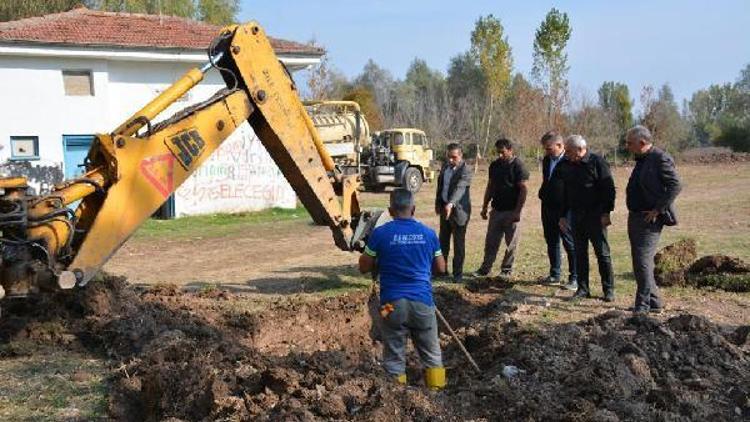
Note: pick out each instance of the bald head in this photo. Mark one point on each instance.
(401, 203)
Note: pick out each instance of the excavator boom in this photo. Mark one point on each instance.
(131, 172)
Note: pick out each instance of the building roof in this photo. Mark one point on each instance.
(85, 27)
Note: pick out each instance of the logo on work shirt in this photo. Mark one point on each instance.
(408, 239)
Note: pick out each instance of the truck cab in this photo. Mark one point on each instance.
(399, 157)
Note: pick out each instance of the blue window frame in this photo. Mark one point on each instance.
(24, 148)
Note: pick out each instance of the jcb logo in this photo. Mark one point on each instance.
(186, 147)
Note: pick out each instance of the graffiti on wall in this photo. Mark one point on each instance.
(42, 178)
(239, 176)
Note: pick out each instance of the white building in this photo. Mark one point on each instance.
(66, 76)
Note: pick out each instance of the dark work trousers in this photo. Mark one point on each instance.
(449, 228)
(644, 238)
(588, 228)
(553, 235)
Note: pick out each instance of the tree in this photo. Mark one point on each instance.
(550, 66)
(324, 82)
(18, 9)
(662, 116)
(423, 100)
(614, 98)
(733, 123)
(465, 84)
(524, 116)
(595, 123)
(378, 80)
(217, 12)
(366, 100)
(490, 47)
(704, 110)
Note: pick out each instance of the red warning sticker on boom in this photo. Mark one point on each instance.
(159, 171)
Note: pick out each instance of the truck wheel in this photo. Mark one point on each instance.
(412, 180)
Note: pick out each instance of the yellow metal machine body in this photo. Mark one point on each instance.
(131, 172)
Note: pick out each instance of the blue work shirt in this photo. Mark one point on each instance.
(404, 249)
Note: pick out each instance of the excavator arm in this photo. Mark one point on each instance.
(131, 172)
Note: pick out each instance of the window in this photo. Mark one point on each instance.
(398, 138)
(418, 139)
(78, 82)
(408, 138)
(24, 148)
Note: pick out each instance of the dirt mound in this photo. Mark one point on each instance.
(488, 284)
(712, 155)
(611, 367)
(721, 272)
(671, 263)
(296, 361)
(194, 356)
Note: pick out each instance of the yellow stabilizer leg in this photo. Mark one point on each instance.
(401, 379)
(435, 378)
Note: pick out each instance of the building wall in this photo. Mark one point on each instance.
(240, 176)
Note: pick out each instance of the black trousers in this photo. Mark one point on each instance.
(449, 228)
(588, 228)
(552, 236)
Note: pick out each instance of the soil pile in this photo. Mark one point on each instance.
(183, 358)
(721, 272)
(712, 156)
(677, 265)
(612, 367)
(200, 357)
(672, 262)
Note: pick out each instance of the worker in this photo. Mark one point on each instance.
(652, 189)
(589, 192)
(550, 194)
(405, 253)
(453, 205)
(506, 187)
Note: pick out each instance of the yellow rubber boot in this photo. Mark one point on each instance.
(400, 379)
(435, 378)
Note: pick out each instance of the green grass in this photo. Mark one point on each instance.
(216, 225)
(43, 387)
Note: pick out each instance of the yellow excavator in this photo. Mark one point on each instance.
(47, 242)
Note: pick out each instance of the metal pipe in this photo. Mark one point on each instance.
(458, 341)
(325, 157)
(190, 79)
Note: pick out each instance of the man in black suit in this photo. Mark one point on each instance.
(453, 205)
(589, 192)
(651, 191)
(551, 195)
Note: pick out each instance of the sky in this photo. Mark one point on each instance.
(689, 44)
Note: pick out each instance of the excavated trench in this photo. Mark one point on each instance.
(200, 356)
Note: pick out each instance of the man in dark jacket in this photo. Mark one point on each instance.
(551, 195)
(589, 193)
(651, 191)
(453, 205)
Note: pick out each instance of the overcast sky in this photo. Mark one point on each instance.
(688, 43)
